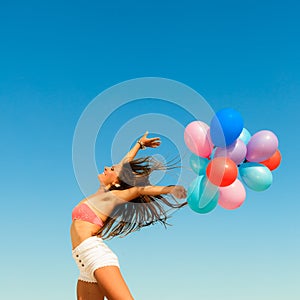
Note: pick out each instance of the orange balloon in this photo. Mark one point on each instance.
(221, 171)
(273, 162)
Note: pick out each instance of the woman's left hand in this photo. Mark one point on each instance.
(151, 143)
(179, 192)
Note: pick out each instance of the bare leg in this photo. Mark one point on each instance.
(88, 291)
(111, 281)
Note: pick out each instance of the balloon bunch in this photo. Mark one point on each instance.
(221, 152)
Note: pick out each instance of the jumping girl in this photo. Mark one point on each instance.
(125, 202)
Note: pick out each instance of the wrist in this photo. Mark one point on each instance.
(142, 145)
(170, 188)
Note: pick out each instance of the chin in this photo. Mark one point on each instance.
(100, 178)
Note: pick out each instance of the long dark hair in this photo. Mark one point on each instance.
(143, 210)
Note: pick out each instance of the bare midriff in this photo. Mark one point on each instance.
(81, 230)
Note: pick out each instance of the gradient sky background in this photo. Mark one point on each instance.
(56, 57)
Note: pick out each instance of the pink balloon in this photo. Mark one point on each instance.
(261, 146)
(236, 152)
(196, 137)
(232, 196)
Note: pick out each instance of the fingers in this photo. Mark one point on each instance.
(154, 145)
(150, 139)
(181, 195)
(154, 139)
(179, 192)
(155, 142)
(150, 142)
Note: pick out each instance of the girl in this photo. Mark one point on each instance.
(125, 202)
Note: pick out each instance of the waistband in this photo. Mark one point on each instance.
(89, 241)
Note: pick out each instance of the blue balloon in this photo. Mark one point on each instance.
(202, 195)
(245, 136)
(198, 164)
(256, 176)
(225, 127)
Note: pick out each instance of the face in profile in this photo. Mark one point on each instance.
(109, 175)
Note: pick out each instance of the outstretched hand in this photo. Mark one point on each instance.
(152, 142)
(179, 192)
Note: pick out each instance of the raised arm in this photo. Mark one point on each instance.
(177, 191)
(142, 143)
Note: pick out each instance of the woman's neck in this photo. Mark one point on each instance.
(103, 189)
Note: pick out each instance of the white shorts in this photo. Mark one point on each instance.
(91, 255)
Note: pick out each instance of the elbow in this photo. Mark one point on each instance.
(140, 190)
(144, 190)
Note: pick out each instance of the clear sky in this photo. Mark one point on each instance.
(57, 56)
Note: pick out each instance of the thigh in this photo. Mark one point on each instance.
(111, 281)
(88, 291)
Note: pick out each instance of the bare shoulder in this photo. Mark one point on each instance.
(125, 195)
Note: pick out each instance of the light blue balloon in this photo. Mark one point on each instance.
(245, 136)
(212, 155)
(198, 164)
(256, 176)
(202, 195)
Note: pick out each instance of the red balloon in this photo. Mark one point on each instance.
(221, 171)
(273, 162)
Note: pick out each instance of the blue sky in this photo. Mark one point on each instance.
(57, 57)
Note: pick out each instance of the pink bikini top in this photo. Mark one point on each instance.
(84, 212)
